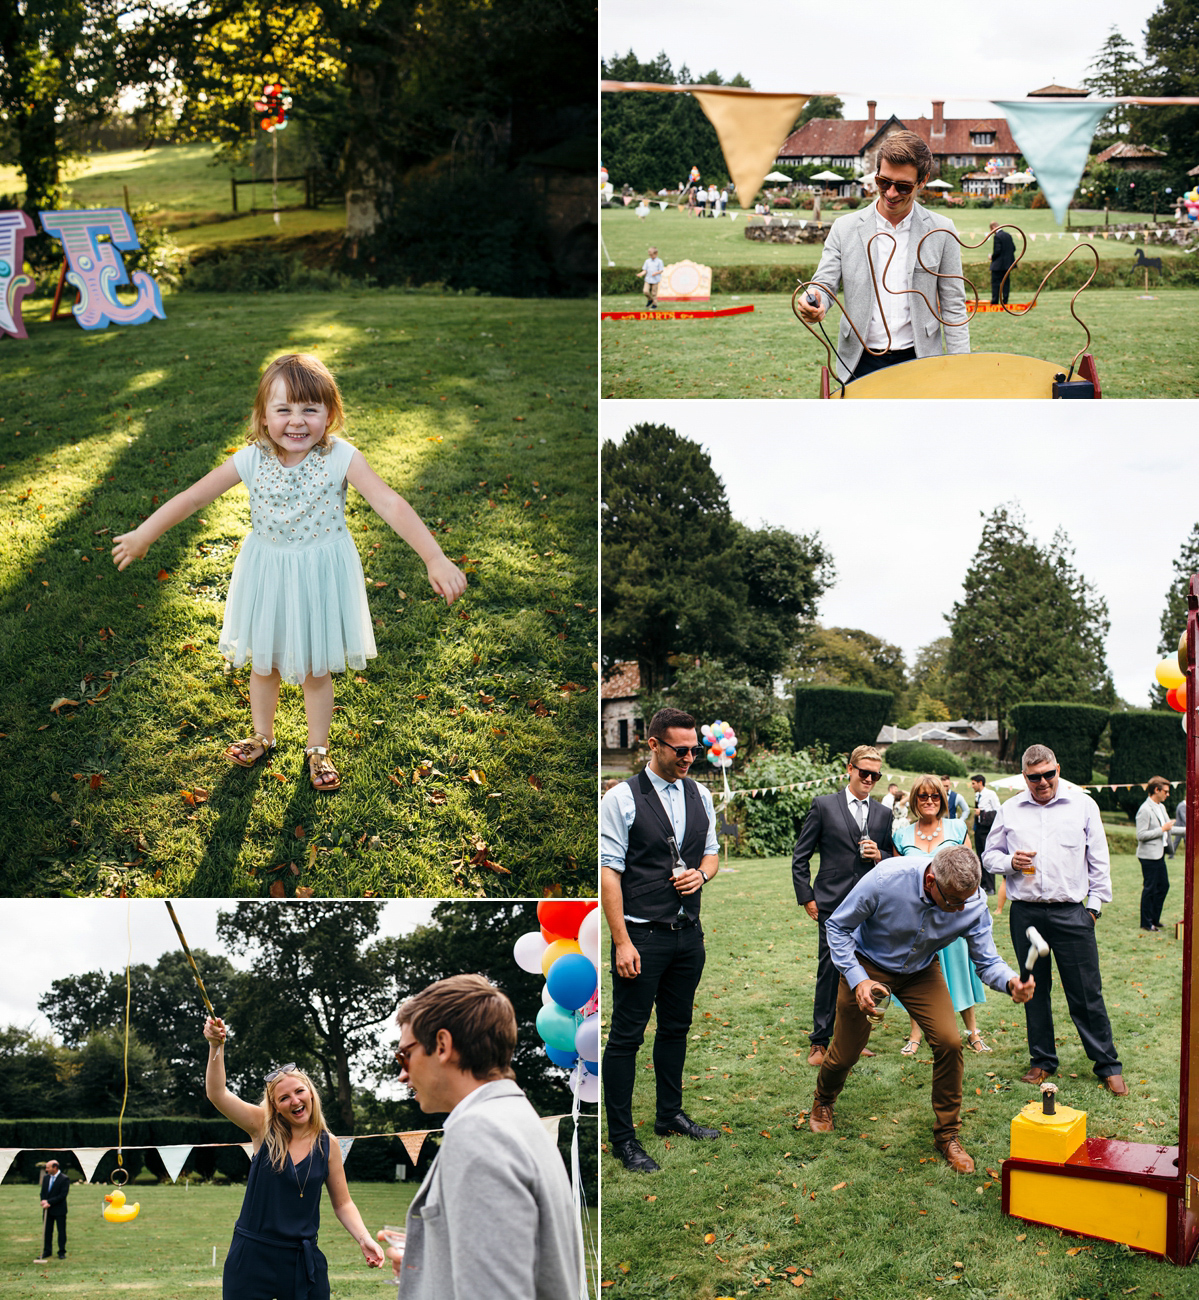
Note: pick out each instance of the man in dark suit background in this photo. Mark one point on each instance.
(851, 833)
(1003, 255)
(54, 1189)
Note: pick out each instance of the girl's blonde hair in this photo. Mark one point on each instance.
(278, 1133)
(305, 379)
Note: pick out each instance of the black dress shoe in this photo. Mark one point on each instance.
(634, 1157)
(684, 1126)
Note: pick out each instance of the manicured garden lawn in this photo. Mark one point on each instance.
(474, 727)
(1142, 348)
(872, 1210)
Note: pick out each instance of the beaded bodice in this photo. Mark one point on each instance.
(300, 505)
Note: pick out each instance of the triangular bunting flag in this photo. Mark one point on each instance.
(786, 223)
(551, 1126)
(89, 1158)
(1055, 138)
(732, 216)
(247, 1147)
(662, 205)
(7, 1156)
(1076, 238)
(345, 1144)
(413, 1143)
(803, 225)
(173, 1158)
(751, 130)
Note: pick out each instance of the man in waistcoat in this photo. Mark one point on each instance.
(658, 849)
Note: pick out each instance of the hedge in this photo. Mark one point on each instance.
(920, 756)
(772, 821)
(1112, 274)
(1072, 731)
(839, 717)
(1145, 743)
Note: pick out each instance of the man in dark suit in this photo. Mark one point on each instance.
(851, 833)
(1003, 255)
(54, 1189)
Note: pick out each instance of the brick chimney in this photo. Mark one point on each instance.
(871, 105)
(938, 117)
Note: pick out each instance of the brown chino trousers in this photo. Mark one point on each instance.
(925, 997)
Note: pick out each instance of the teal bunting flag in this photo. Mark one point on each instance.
(1055, 137)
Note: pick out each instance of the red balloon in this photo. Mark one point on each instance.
(1176, 698)
(561, 917)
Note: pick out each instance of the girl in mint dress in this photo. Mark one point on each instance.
(297, 606)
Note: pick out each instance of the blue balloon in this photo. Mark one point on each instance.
(571, 981)
(565, 1059)
(592, 1067)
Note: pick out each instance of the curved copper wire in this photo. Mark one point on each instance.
(940, 275)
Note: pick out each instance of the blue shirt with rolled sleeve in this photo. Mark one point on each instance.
(890, 919)
(1067, 835)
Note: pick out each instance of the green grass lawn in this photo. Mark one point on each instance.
(180, 179)
(722, 242)
(1142, 348)
(293, 224)
(475, 725)
(872, 1210)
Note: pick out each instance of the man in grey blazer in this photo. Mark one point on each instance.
(495, 1215)
(897, 323)
(851, 833)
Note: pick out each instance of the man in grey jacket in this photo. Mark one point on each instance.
(495, 1215)
(899, 321)
(1153, 826)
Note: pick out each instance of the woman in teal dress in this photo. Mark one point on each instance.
(922, 839)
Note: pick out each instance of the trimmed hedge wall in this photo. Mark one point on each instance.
(839, 717)
(919, 756)
(1072, 731)
(1145, 743)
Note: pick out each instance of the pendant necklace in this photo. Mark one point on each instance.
(932, 835)
(306, 1172)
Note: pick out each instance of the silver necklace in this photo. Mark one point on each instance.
(306, 1172)
(932, 835)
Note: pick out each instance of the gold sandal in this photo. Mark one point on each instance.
(319, 765)
(258, 740)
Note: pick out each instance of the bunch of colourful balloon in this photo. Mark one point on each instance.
(1190, 201)
(274, 103)
(566, 951)
(721, 741)
(1171, 674)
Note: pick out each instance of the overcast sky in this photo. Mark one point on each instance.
(863, 50)
(49, 939)
(898, 502)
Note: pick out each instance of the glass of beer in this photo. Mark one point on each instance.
(882, 1000)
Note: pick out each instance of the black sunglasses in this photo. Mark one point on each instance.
(681, 751)
(865, 773)
(884, 184)
(1037, 777)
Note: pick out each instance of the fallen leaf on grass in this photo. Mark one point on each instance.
(796, 1281)
(194, 797)
(300, 832)
(163, 575)
(567, 687)
(62, 702)
(55, 797)
(651, 1198)
(1075, 1250)
(486, 699)
(709, 1238)
(422, 771)
(437, 796)
(277, 890)
(535, 782)
(303, 891)
(552, 891)
(96, 781)
(837, 1187)
(475, 775)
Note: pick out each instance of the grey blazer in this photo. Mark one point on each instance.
(844, 263)
(495, 1215)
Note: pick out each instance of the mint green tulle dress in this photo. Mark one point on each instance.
(297, 599)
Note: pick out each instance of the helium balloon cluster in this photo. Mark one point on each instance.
(274, 103)
(566, 951)
(721, 741)
(1190, 201)
(1171, 674)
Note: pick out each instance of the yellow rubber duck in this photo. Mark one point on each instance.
(116, 1211)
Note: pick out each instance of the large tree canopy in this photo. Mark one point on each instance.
(1172, 68)
(1028, 627)
(851, 656)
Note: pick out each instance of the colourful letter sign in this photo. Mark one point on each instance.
(96, 269)
(14, 227)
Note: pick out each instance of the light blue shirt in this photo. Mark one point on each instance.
(1067, 835)
(890, 919)
(617, 811)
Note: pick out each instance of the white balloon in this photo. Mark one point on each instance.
(589, 938)
(587, 1039)
(528, 950)
(546, 1001)
(584, 1083)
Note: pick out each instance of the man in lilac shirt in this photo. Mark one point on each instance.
(889, 931)
(1049, 842)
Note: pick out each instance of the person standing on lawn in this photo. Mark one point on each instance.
(1049, 841)
(1153, 826)
(54, 1188)
(658, 849)
(651, 270)
(851, 833)
(884, 939)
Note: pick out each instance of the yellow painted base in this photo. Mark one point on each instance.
(961, 374)
(1053, 1138)
(1134, 1216)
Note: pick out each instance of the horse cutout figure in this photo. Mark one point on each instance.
(961, 374)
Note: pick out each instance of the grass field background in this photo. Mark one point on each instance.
(167, 1251)
(872, 1210)
(480, 411)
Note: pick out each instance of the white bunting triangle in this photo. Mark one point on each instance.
(732, 216)
(551, 1125)
(662, 205)
(7, 1156)
(803, 225)
(247, 1147)
(89, 1158)
(173, 1158)
(345, 1144)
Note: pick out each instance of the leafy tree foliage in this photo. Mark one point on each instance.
(852, 657)
(709, 691)
(98, 1078)
(1029, 627)
(1172, 68)
(928, 697)
(34, 1074)
(822, 106)
(166, 1013)
(681, 577)
(1114, 71)
(318, 988)
(651, 141)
